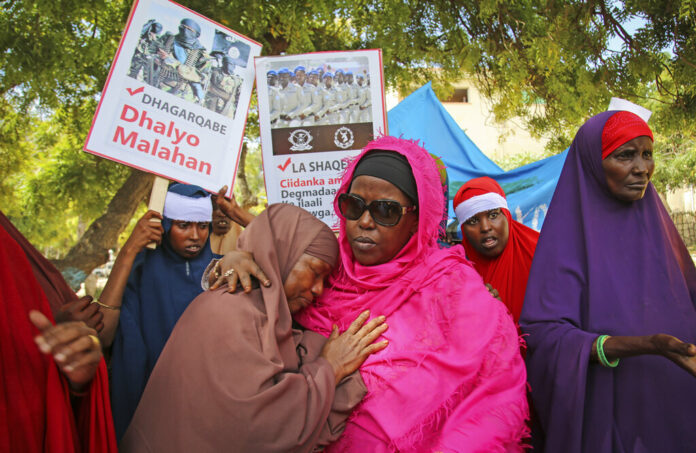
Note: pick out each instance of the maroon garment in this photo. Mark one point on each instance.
(36, 414)
(54, 286)
(234, 375)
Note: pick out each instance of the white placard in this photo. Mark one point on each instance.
(176, 99)
(316, 110)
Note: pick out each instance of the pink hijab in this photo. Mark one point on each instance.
(452, 378)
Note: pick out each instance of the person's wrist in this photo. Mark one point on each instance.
(338, 372)
(652, 344)
(132, 248)
(335, 367)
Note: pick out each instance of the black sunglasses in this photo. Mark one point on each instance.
(384, 212)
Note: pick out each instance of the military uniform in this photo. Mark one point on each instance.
(352, 111)
(328, 114)
(304, 99)
(186, 62)
(146, 52)
(223, 92)
(364, 104)
(315, 105)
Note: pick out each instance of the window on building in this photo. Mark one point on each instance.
(459, 95)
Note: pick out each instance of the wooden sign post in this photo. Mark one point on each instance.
(157, 196)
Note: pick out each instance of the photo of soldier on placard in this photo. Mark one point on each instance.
(318, 102)
(309, 96)
(223, 91)
(180, 64)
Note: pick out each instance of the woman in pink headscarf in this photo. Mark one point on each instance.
(452, 378)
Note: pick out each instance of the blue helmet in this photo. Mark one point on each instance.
(300, 68)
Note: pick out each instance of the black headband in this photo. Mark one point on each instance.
(390, 166)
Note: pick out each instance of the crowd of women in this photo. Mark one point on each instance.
(381, 340)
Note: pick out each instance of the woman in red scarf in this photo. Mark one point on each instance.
(501, 248)
(54, 394)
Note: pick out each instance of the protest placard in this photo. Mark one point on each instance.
(176, 99)
(316, 110)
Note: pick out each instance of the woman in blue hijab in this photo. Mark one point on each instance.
(151, 289)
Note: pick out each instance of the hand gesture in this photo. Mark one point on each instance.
(235, 267)
(347, 351)
(493, 291)
(683, 354)
(74, 346)
(147, 230)
(228, 206)
(81, 310)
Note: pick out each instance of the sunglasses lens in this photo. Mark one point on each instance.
(351, 207)
(386, 212)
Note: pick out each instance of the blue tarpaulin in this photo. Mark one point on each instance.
(529, 188)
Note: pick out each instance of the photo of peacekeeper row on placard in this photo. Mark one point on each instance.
(312, 94)
(180, 64)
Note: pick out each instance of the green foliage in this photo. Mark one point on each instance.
(512, 161)
(675, 162)
(548, 62)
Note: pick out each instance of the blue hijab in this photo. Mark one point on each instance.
(160, 287)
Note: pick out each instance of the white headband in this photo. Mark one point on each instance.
(469, 208)
(181, 207)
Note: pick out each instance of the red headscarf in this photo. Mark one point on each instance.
(36, 414)
(621, 128)
(508, 272)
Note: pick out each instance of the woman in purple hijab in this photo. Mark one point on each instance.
(611, 279)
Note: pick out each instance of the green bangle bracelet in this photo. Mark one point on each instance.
(600, 353)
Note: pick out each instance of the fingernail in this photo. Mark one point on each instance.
(43, 346)
(60, 356)
(68, 368)
(267, 283)
(382, 317)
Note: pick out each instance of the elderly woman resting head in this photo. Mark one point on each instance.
(236, 376)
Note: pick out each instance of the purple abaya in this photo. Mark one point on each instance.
(603, 266)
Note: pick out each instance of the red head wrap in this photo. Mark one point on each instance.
(509, 271)
(621, 128)
(478, 195)
(477, 186)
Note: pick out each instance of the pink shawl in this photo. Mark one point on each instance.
(452, 378)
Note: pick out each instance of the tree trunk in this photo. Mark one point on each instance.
(246, 199)
(92, 249)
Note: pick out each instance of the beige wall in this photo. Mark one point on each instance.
(474, 117)
(683, 199)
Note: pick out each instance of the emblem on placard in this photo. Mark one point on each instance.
(300, 140)
(343, 138)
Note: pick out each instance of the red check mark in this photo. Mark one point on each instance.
(285, 165)
(136, 91)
